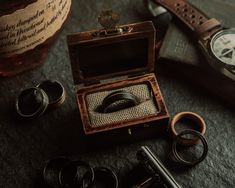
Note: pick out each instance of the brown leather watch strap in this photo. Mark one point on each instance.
(196, 20)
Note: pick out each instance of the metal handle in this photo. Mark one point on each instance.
(155, 168)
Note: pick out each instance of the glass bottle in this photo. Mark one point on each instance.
(27, 30)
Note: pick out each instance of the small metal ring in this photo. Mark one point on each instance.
(179, 158)
(55, 91)
(43, 103)
(105, 175)
(129, 99)
(190, 115)
(52, 169)
(74, 167)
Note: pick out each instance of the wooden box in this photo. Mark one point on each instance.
(103, 63)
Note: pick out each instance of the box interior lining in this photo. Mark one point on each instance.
(101, 59)
(147, 105)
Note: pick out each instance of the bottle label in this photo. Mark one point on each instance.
(27, 28)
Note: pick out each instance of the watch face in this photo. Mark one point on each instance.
(223, 46)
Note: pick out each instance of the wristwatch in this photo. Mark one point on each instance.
(216, 42)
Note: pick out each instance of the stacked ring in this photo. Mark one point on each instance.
(177, 140)
(107, 174)
(62, 172)
(104, 177)
(69, 175)
(190, 115)
(119, 100)
(55, 92)
(31, 102)
(52, 170)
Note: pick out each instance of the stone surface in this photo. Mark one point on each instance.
(25, 146)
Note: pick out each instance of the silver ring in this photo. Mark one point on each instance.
(55, 92)
(31, 102)
(177, 140)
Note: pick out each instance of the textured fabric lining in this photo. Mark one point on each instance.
(145, 107)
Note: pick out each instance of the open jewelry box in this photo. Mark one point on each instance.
(107, 61)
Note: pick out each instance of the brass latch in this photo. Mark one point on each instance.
(109, 21)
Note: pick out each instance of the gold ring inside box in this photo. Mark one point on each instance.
(200, 123)
(31, 102)
(55, 92)
(119, 100)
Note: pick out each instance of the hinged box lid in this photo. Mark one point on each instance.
(94, 58)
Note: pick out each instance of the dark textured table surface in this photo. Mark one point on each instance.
(26, 145)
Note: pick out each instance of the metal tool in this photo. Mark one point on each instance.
(159, 174)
